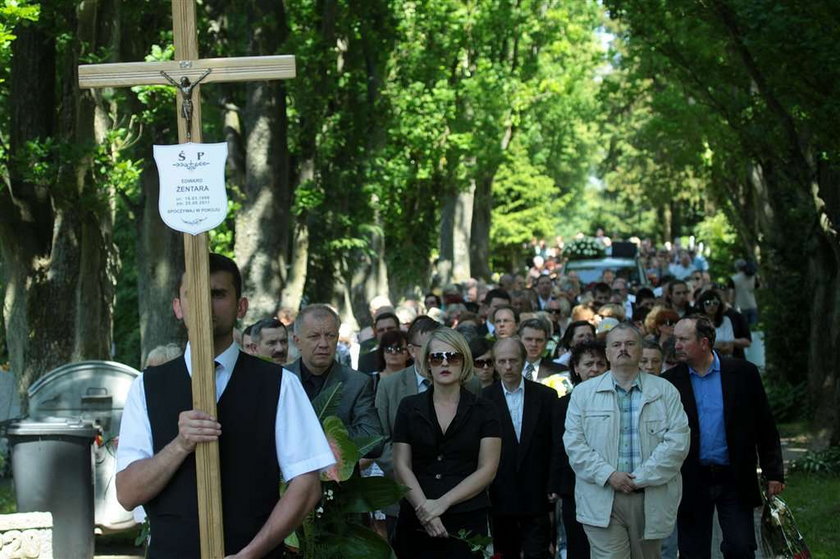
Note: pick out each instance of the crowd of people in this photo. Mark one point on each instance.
(561, 419)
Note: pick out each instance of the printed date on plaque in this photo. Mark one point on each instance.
(192, 186)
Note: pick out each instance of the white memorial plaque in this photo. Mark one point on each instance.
(192, 186)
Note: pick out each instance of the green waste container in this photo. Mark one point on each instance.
(52, 468)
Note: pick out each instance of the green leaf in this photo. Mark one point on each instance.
(326, 403)
(292, 541)
(366, 444)
(358, 542)
(346, 453)
(367, 494)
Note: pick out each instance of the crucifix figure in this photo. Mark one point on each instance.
(199, 317)
(186, 88)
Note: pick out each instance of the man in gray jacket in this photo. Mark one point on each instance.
(626, 436)
(316, 336)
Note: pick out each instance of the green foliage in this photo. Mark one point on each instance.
(334, 529)
(12, 12)
(819, 462)
(717, 233)
(788, 402)
(815, 502)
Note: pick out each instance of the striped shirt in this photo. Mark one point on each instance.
(629, 407)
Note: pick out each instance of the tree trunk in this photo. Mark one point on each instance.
(262, 225)
(480, 228)
(55, 230)
(456, 229)
(160, 257)
(296, 278)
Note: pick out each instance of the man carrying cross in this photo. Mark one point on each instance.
(266, 429)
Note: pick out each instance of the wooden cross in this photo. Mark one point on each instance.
(188, 65)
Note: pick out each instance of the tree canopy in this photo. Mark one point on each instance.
(423, 142)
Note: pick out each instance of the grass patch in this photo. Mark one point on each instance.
(815, 502)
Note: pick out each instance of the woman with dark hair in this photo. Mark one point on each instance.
(447, 444)
(588, 360)
(392, 355)
(710, 304)
(485, 368)
(578, 332)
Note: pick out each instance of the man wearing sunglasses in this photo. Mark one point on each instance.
(522, 493)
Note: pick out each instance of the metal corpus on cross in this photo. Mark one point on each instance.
(185, 72)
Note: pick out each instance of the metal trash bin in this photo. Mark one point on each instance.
(95, 392)
(52, 465)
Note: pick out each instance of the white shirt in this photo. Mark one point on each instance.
(515, 402)
(422, 384)
(564, 359)
(301, 444)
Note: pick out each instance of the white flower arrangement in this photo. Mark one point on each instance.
(584, 248)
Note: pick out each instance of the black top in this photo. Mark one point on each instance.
(250, 474)
(313, 384)
(563, 474)
(441, 461)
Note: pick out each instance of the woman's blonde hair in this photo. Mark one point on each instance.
(458, 343)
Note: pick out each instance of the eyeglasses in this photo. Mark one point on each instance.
(451, 357)
(555, 311)
(711, 303)
(668, 323)
(393, 349)
(483, 363)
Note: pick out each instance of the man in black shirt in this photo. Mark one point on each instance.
(316, 336)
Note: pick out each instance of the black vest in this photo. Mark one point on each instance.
(247, 452)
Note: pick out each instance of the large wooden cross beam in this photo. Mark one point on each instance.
(187, 64)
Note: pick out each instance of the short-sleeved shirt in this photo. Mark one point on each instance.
(301, 444)
(441, 461)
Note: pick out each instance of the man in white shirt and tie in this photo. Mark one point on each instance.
(521, 491)
(535, 333)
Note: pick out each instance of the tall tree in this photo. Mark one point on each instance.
(775, 148)
(56, 213)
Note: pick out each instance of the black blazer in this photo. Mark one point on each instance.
(549, 367)
(750, 430)
(563, 477)
(522, 482)
(440, 461)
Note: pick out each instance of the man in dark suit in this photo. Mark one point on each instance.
(534, 334)
(731, 425)
(520, 492)
(316, 336)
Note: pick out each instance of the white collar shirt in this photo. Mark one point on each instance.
(299, 438)
(422, 382)
(515, 400)
(225, 362)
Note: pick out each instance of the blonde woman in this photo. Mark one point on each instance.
(447, 443)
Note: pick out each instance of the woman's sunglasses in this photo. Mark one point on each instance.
(451, 357)
(482, 363)
(394, 349)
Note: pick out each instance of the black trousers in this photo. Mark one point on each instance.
(577, 546)
(516, 536)
(694, 524)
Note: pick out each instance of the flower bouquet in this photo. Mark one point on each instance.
(780, 537)
(584, 249)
